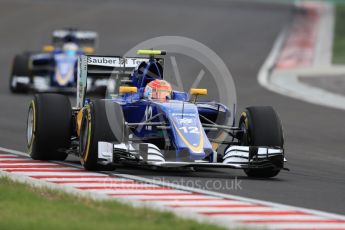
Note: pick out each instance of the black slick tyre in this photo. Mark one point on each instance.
(262, 127)
(102, 121)
(49, 127)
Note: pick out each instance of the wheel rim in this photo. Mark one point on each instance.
(30, 126)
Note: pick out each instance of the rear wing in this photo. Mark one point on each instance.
(104, 67)
(84, 38)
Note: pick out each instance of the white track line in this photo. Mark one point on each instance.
(203, 202)
(224, 209)
(50, 168)
(111, 185)
(4, 156)
(28, 164)
(16, 159)
(271, 217)
(153, 199)
(136, 191)
(80, 180)
(85, 174)
(313, 226)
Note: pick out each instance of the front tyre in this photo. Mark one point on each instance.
(49, 126)
(261, 126)
(102, 121)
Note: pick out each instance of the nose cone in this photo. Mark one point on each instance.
(187, 155)
(187, 133)
(190, 137)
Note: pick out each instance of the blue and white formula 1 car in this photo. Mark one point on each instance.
(146, 123)
(54, 68)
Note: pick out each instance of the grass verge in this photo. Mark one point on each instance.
(339, 36)
(25, 207)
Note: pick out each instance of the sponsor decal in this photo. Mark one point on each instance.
(185, 120)
(183, 114)
(111, 61)
(148, 115)
(115, 61)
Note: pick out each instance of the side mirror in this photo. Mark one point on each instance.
(48, 48)
(127, 89)
(196, 92)
(89, 50)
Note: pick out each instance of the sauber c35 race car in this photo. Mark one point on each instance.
(54, 68)
(146, 123)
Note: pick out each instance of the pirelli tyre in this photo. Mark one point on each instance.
(102, 120)
(262, 127)
(20, 67)
(49, 127)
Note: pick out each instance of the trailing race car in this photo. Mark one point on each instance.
(54, 68)
(147, 123)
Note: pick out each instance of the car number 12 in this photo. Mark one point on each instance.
(190, 129)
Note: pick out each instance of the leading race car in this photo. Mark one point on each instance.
(54, 68)
(147, 123)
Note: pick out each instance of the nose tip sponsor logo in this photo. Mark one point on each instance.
(186, 121)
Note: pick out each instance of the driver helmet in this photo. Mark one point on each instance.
(70, 48)
(158, 89)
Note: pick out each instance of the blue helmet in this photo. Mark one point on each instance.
(146, 72)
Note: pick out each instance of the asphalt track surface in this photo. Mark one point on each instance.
(242, 34)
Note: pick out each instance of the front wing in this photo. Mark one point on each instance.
(236, 157)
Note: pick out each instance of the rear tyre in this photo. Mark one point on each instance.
(49, 127)
(102, 121)
(262, 127)
(20, 67)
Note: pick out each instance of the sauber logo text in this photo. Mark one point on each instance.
(103, 60)
(115, 61)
